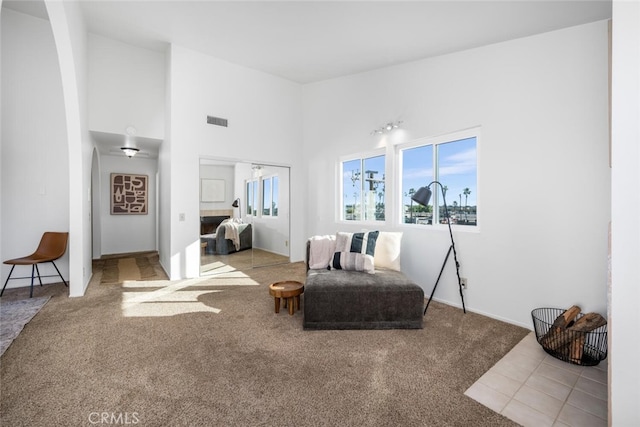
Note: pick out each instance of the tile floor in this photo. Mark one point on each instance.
(535, 389)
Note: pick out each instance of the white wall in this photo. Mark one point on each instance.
(69, 33)
(127, 85)
(165, 172)
(541, 103)
(264, 126)
(127, 233)
(624, 320)
(34, 173)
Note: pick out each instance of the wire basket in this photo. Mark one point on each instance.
(576, 347)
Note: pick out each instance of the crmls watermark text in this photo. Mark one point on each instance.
(114, 418)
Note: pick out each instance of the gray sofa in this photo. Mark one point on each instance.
(339, 299)
(225, 246)
(218, 244)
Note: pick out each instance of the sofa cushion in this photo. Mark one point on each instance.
(387, 255)
(339, 299)
(364, 243)
(352, 261)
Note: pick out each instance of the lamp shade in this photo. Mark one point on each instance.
(422, 196)
(236, 204)
(129, 151)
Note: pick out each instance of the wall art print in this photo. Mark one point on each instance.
(129, 194)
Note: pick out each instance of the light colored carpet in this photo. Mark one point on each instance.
(212, 352)
(14, 315)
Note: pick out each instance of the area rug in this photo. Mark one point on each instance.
(14, 315)
(138, 266)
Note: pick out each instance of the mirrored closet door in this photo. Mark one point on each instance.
(268, 195)
(244, 215)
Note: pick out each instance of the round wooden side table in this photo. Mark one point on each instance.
(289, 291)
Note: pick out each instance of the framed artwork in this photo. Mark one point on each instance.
(129, 194)
(212, 190)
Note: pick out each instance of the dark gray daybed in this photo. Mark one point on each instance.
(215, 239)
(224, 246)
(339, 299)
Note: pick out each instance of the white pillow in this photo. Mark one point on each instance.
(353, 261)
(387, 254)
(363, 242)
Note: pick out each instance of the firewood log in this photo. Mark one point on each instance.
(588, 323)
(566, 318)
(578, 331)
(570, 341)
(549, 340)
(576, 348)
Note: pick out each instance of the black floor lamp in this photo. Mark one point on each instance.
(236, 204)
(422, 197)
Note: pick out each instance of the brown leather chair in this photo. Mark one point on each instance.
(52, 246)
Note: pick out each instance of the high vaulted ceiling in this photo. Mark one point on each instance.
(309, 41)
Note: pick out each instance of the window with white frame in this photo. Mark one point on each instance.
(451, 161)
(363, 189)
(252, 197)
(270, 192)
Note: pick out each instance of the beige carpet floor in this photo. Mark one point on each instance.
(212, 352)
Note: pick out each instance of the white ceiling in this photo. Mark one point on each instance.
(112, 143)
(309, 41)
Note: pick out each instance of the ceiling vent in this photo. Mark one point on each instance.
(217, 121)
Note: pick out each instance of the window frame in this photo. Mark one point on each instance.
(362, 156)
(474, 132)
(255, 192)
(270, 179)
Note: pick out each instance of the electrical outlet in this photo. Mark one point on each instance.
(463, 282)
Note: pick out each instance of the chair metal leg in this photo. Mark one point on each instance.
(35, 272)
(38, 271)
(7, 281)
(65, 282)
(33, 269)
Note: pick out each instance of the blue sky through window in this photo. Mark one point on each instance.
(457, 170)
(417, 170)
(360, 176)
(453, 163)
(266, 197)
